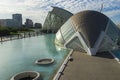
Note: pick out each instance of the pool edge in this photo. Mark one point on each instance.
(62, 67)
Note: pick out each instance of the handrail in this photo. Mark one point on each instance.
(60, 71)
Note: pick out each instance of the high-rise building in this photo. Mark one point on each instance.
(17, 19)
(90, 32)
(2, 22)
(6, 23)
(9, 23)
(29, 23)
(38, 25)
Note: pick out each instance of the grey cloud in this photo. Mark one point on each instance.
(75, 6)
(21, 1)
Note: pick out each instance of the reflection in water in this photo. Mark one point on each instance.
(19, 55)
(51, 48)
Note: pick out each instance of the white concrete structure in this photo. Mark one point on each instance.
(88, 31)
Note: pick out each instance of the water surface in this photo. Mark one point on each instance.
(19, 55)
(117, 53)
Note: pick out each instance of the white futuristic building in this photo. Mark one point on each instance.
(88, 31)
(55, 19)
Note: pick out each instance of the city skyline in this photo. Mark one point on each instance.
(15, 21)
(37, 9)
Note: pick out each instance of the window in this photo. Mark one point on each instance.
(75, 44)
(112, 31)
(67, 30)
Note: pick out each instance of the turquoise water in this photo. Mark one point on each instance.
(19, 55)
(117, 53)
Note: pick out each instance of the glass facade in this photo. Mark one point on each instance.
(112, 31)
(106, 45)
(65, 32)
(59, 38)
(52, 22)
(55, 19)
(83, 38)
(75, 44)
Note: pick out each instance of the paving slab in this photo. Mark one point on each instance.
(84, 67)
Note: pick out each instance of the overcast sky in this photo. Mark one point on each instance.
(38, 9)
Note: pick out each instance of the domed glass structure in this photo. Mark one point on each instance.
(88, 31)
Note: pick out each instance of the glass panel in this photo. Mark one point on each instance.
(106, 45)
(75, 44)
(59, 37)
(67, 30)
(113, 31)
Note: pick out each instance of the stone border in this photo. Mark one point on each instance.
(41, 61)
(26, 74)
(63, 66)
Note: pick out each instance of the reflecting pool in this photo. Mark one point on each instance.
(19, 55)
(117, 53)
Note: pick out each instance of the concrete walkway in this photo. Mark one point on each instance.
(85, 67)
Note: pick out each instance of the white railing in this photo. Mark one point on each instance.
(60, 71)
